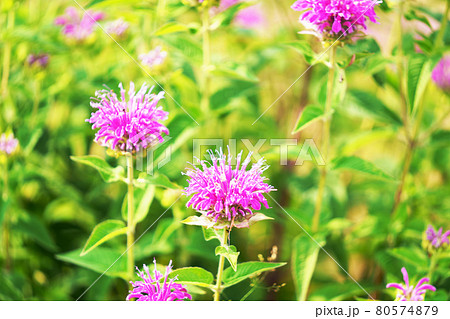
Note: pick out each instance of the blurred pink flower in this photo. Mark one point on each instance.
(77, 27)
(437, 238)
(8, 143)
(117, 27)
(441, 73)
(153, 58)
(407, 292)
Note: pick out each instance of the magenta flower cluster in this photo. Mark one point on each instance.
(407, 292)
(128, 124)
(223, 192)
(441, 73)
(336, 17)
(76, 26)
(436, 238)
(157, 288)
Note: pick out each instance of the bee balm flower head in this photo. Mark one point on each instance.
(407, 292)
(128, 124)
(157, 288)
(335, 18)
(224, 193)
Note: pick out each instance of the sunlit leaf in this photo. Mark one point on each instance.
(103, 232)
(108, 173)
(359, 165)
(304, 258)
(247, 270)
(193, 275)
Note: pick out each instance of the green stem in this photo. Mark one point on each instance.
(412, 144)
(401, 69)
(433, 263)
(7, 55)
(204, 103)
(160, 12)
(36, 102)
(5, 220)
(440, 36)
(220, 269)
(325, 140)
(130, 217)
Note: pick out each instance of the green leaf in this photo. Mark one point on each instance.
(33, 228)
(108, 173)
(369, 104)
(304, 258)
(211, 233)
(156, 180)
(419, 74)
(171, 27)
(103, 232)
(247, 270)
(411, 255)
(310, 114)
(193, 275)
(230, 253)
(100, 260)
(359, 165)
(143, 198)
(304, 48)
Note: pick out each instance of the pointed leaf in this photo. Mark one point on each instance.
(304, 257)
(304, 48)
(310, 114)
(104, 232)
(100, 260)
(419, 74)
(143, 198)
(230, 253)
(360, 165)
(108, 173)
(171, 27)
(246, 270)
(159, 180)
(193, 275)
(369, 104)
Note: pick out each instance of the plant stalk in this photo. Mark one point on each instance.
(130, 217)
(220, 269)
(440, 36)
(7, 55)
(204, 103)
(325, 140)
(6, 244)
(401, 70)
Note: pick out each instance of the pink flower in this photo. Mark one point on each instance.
(407, 292)
(437, 239)
(153, 289)
(441, 73)
(334, 18)
(223, 192)
(129, 124)
(154, 57)
(117, 27)
(8, 144)
(77, 27)
(251, 17)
